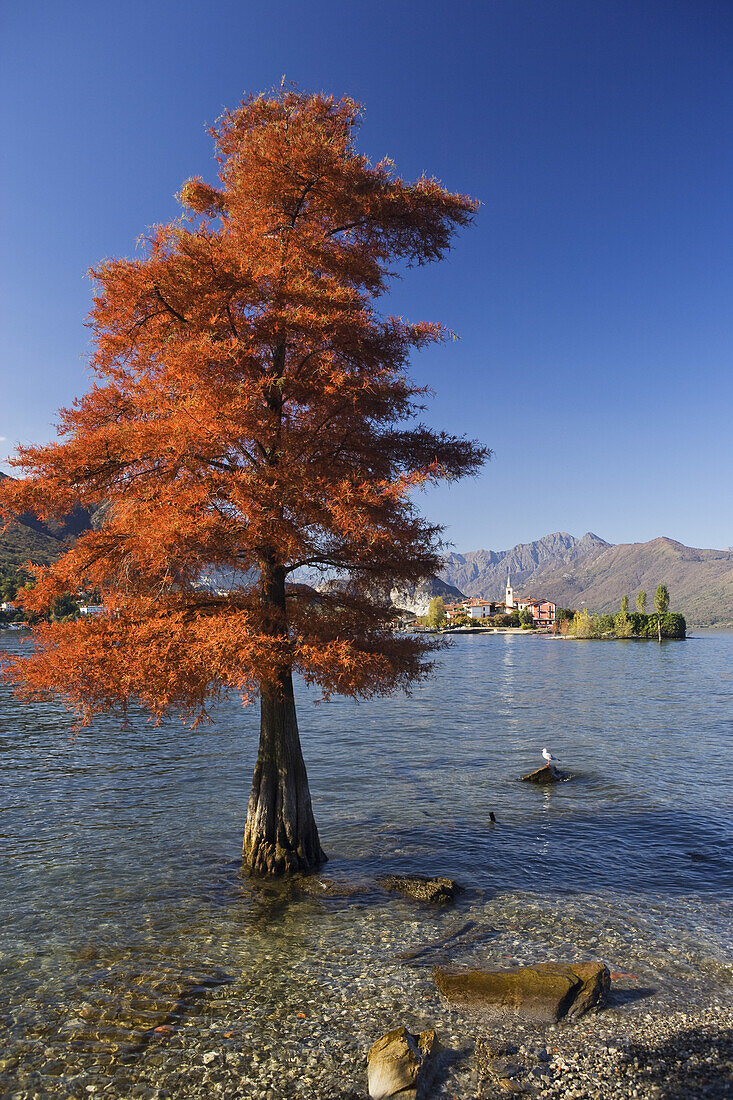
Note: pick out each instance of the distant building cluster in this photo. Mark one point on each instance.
(543, 611)
(85, 609)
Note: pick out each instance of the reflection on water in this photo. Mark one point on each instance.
(134, 959)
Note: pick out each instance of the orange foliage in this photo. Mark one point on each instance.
(251, 414)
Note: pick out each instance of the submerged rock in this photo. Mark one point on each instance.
(547, 774)
(500, 1068)
(545, 992)
(318, 886)
(401, 1064)
(420, 888)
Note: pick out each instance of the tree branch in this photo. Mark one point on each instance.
(170, 308)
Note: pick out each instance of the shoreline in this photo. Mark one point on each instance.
(544, 633)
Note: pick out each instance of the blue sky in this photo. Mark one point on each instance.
(592, 296)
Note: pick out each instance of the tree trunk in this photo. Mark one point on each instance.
(280, 836)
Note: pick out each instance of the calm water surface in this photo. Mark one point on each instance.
(123, 910)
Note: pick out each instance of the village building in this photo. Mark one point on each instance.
(543, 611)
(474, 608)
(483, 609)
(454, 610)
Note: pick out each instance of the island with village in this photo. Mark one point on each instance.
(528, 614)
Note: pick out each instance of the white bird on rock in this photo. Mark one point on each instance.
(549, 758)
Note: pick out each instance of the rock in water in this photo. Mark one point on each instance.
(318, 886)
(544, 992)
(420, 888)
(498, 1069)
(547, 774)
(401, 1064)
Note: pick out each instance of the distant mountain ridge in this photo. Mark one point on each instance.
(484, 572)
(590, 572)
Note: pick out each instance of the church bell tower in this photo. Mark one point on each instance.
(509, 597)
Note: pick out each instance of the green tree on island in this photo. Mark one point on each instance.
(582, 625)
(622, 623)
(436, 612)
(641, 602)
(526, 618)
(661, 603)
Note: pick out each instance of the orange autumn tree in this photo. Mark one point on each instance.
(251, 415)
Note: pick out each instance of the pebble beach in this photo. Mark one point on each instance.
(613, 1055)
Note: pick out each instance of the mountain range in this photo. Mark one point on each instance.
(590, 572)
(586, 572)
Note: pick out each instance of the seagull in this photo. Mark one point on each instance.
(549, 758)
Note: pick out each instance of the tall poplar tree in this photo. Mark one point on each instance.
(661, 603)
(251, 415)
(661, 599)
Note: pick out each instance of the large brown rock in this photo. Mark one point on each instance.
(420, 888)
(401, 1064)
(544, 992)
(548, 774)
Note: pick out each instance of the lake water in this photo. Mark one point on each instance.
(123, 909)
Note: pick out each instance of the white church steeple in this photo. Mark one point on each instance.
(509, 598)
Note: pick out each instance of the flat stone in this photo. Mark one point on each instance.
(420, 888)
(401, 1064)
(545, 992)
(548, 774)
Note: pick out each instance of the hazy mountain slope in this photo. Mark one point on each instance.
(591, 573)
(416, 597)
(411, 597)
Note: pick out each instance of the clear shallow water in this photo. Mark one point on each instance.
(123, 910)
